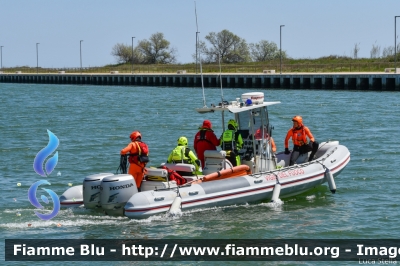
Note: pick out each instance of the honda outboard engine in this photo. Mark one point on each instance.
(115, 192)
(91, 190)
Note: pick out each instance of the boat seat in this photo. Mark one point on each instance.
(215, 161)
(156, 172)
(184, 169)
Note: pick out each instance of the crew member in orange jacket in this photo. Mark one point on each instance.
(204, 140)
(136, 168)
(258, 136)
(299, 134)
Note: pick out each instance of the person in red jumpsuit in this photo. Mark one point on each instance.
(204, 140)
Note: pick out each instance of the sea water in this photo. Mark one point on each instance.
(93, 124)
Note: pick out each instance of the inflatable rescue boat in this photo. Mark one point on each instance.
(262, 175)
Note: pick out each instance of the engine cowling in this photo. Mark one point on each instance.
(91, 190)
(115, 191)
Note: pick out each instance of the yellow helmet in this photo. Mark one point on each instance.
(233, 123)
(183, 141)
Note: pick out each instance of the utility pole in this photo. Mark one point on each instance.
(395, 48)
(80, 48)
(132, 54)
(280, 45)
(37, 59)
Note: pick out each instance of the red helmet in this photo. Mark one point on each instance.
(135, 135)
(298, 119)
(207, 124)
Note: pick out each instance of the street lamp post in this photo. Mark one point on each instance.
(280, 45)
(80, 50)
(132, 54)
(395, 50)
(1, 57)
(37, 58)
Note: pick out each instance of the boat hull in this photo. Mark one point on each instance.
(244, 189)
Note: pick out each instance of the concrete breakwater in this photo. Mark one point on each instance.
(346, 81)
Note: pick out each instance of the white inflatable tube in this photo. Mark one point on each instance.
(276, 192)
(331, 181)
(175, 208)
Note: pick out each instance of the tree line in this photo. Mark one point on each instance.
(155, 50)
(223, 46)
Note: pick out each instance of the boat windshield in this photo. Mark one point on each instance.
(253, 120)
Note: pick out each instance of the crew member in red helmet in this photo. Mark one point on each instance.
(299, 134)
(138, 156)
(204, 140)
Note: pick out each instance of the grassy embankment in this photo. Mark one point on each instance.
(320, 65)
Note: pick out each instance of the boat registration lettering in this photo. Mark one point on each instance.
(283, 174)
(295, 172)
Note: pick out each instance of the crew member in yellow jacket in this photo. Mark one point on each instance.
(183, 154)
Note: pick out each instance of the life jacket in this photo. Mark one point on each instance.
(229, 140)
(174, 176)
(203, 136)
(180, 156)
(142, 156)
(299, 136)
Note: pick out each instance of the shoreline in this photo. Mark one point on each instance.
(376, 81)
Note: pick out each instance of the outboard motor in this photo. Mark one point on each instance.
(115, 191)
(91, 190)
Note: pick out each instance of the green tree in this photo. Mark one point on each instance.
(230, 47)
(264, 51)
(123, 53)
(157, 50)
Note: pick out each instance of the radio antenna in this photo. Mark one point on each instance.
(220, 76)
(198, 53)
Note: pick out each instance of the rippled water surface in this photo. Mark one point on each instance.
(94, 122)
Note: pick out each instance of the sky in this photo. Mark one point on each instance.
(313, 28)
